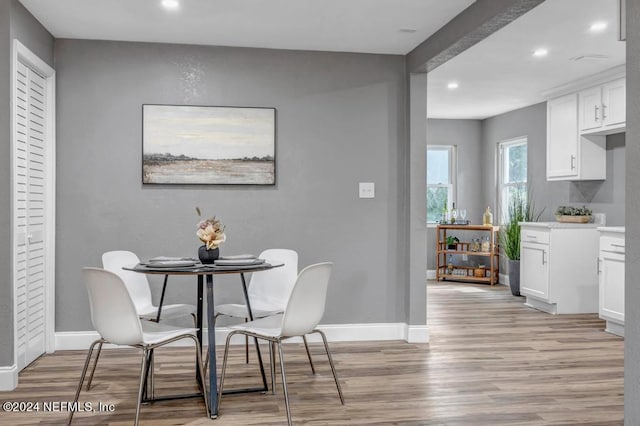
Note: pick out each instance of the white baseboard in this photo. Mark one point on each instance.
(80, 340)
(503, 279)
(8, 378)
(431, 274)
(417, 334)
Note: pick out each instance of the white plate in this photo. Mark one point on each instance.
(238, 262)
(238, 257)
(239, 267)
(171, 264)
(169, 258)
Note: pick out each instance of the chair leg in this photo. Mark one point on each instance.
(306, 346)
(333, 368)
(246, 346)
(152, 383)
(284, 382)
(224, 367)
(141, 387)
(82, 376)
(95, 363)
(272, 366)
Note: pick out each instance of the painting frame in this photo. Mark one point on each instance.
(208, 145)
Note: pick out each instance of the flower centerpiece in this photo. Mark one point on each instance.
(211, 233)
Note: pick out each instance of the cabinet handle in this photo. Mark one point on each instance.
(543, 259)
(617, 245)
(573, 160)
(598, 265)
(604, 109)
(595, 117)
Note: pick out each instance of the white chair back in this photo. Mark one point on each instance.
(137, 284)
(272, 288)
(112, 311)
(306, 304)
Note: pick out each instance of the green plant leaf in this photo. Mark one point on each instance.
(519, 210)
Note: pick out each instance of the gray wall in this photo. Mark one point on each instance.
(530, 122)
(31, 33)
(632, 266)
(340, 121)
(15, 22)
(414, 177)
(466, 136)
(607, 196)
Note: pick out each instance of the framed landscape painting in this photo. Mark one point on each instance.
(208, 145)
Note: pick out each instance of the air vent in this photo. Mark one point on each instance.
(594, 57)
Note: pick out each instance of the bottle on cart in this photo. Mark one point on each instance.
(487, 217)
(454, 213)
(445, 214)
(450, 265)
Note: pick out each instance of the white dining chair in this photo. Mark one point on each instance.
(116, 320)
(138, 287)
(301, 316)
(268, 292)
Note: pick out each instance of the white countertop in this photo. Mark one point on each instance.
(557, 225)
(619, 229)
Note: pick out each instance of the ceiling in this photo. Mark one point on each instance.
(499, 74)
(368, 26)
(496, 75)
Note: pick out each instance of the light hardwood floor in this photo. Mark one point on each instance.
(491, 361)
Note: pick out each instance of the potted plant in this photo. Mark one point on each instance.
(573, 214)
(451, 242)
(520, 209)
(211, 233)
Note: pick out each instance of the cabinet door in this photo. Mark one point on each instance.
(534, 270)
(614, 100)
(611, 270)
(562, 137)
(590, 108)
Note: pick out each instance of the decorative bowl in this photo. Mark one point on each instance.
(573, 219)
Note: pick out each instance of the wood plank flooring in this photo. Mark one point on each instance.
(491, 361)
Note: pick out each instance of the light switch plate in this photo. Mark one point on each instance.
(367, 190)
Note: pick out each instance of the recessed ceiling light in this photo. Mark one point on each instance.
(171, 4)
(407, 30)
(597, 27)
(540, 53)
(452, 85)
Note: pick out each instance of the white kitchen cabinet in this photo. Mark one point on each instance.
(590, 108)
(614, 104)
(611, 278)
(558, 268)
(602, 109)
(571, 156)
(534, 269)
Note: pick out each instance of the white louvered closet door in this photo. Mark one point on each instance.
(29, 207)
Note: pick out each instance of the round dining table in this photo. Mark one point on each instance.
(205, 273)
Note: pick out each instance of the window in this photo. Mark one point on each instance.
(513, 173)
(441, 180)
